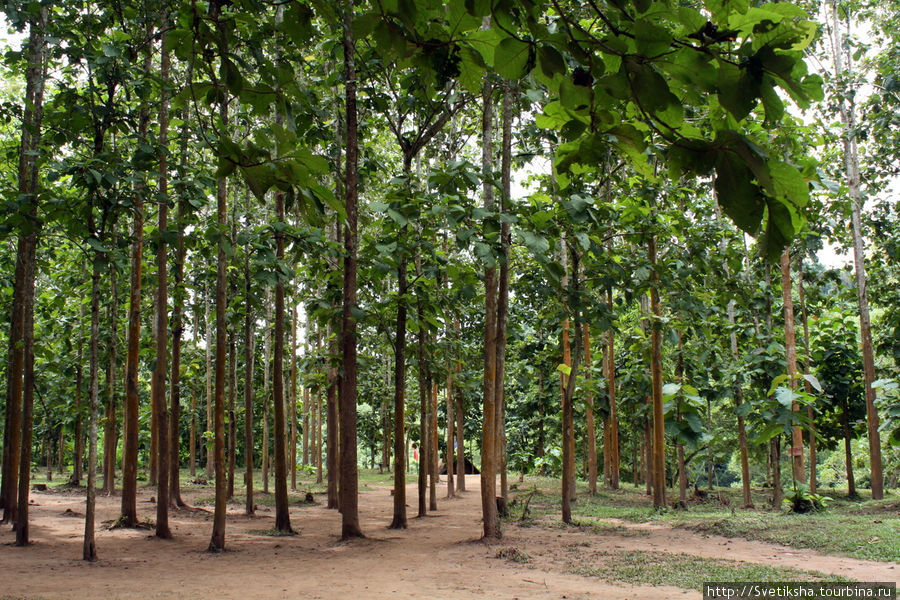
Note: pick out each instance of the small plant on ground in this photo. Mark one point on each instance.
(801, 500)
(513, 554)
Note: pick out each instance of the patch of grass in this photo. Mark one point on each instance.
(861, 528)
(513, 554)
(684, 570)
(272, 532)
(859, 536)
(604, 528)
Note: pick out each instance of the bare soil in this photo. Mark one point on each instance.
(438, 557)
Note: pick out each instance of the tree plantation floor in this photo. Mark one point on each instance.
(437, 557)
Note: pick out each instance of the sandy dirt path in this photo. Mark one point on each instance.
(437, 557)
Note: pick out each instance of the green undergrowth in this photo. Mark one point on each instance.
(682, 570)
(864, 529)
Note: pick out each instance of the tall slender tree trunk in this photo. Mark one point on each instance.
(386, 422)
(682, 474)
(78, 454)
(790, 345)
(568, 418)
(847, 107)
(15, 444)
(848, 452)
(460, 430)
(613, 419)
(591, 427)
(349, 499)
(433, 446)
(510, 94)
(305, 423)
(742, 429)
(318, 449)
(282, 511)
(267, 360)
(162, 305)
(130, 432)
(293, 397)
(231, 446)
(777, 493)
(21, 524)
(659, 432)
(249, 508)
(490, 518)
(813, 478)
(192, 443)
(89, 548)
(210, 400)
(424, 377)
(334, 427)
(450, 460)
(217, 540)
(175, 498)
(109, 427)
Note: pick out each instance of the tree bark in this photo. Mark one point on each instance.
(460, 430)
(848, 452)
(490, 518)
(659, 432)
(349, 499)
(162, 305)
(109, 428)
(333, 424)
(293, 398)
(89, 548)
(510, 93)
(851, 167)
(613, 420)
(217, 541)
(231, 446)
(742, 429)
(807, 367)
(424, 380)
(210, 400)
(132, 399)
(249, 508)
(78, 454)
(21, 523)
(591, 427)
(790, 346)
(282, 511)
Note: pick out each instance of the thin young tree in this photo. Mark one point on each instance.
(162, 306)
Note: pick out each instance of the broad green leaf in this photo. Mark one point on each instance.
(737, 90)
(670, 389)
(551, 61)
(789, 183)
(736, 193)
(651, 39)
(813, 382)
(512, 58)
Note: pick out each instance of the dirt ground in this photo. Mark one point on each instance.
(437, 557)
